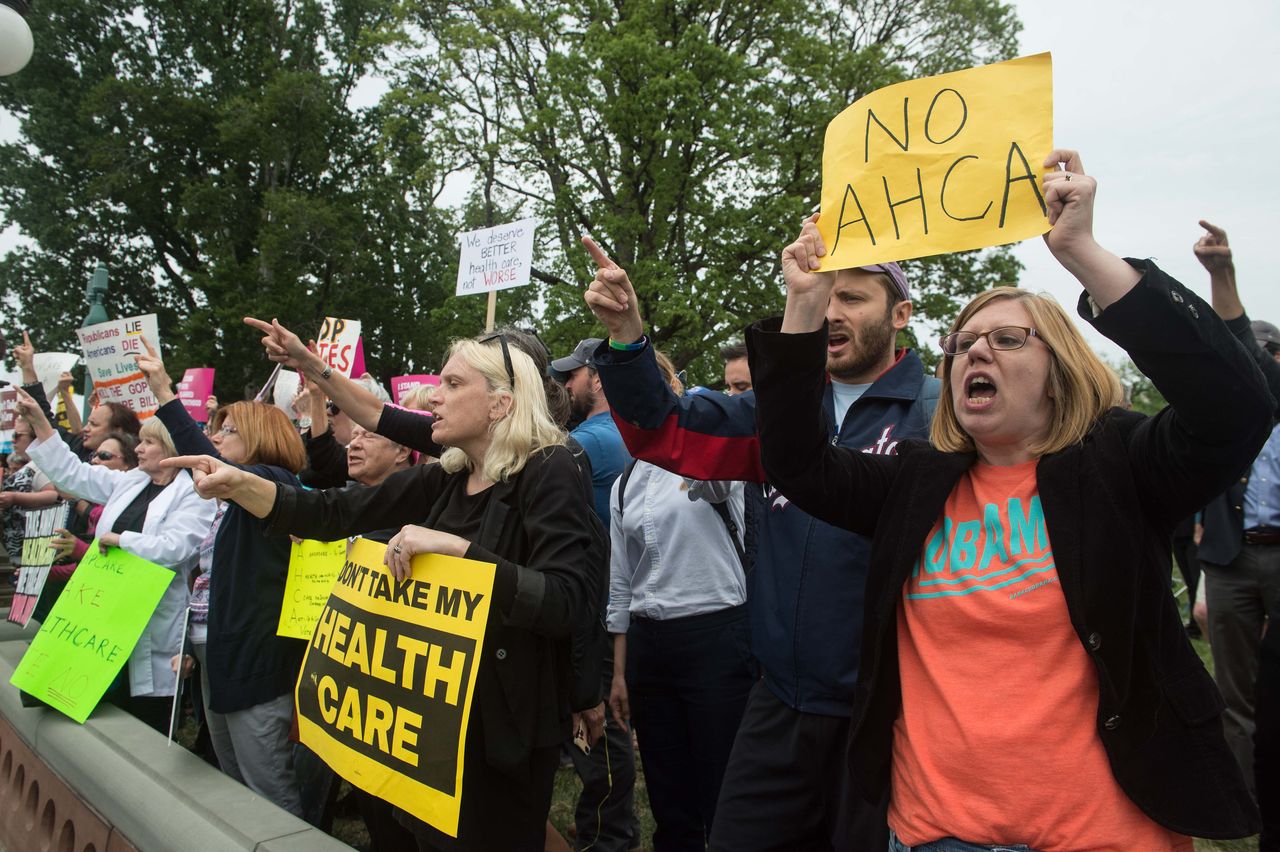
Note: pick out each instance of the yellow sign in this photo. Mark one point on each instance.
(386, 687)
(937, 165)
(313, 567)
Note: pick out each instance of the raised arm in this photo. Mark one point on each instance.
(1069, 195)
(188, 436)
(56, 461)
(285, 347)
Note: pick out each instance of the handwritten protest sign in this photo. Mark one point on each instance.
(8, 418)
(401, 385)
(387, 683)
(496, 258)
(194, 391)
(109, 348)
(313, 568)
(337, 342)
(91, 630)
(940, 164)
(37, 558)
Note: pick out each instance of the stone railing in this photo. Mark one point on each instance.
(113, 785)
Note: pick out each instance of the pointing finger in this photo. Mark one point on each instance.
(602, 260)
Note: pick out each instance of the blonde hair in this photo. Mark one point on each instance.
(668, 370)
(527, 426)
(269, 436)
(1081, 387)
(417, 398)
(155, 430)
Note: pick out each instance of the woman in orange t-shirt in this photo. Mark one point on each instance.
(1025, 678)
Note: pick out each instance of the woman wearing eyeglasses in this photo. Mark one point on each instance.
(1025, 676)
(505, 491)
(239, 590)
(152, 512)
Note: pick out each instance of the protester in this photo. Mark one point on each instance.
(118, 451)
(152, 512)
(25, 488)
(1026, 678)
(594, 429)
(507, 492)
(251, 670)
(1239, 549)
(737, 372)
(682, 669)
(785, 785)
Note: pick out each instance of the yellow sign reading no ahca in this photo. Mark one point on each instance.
(386, 686)
(940, 164)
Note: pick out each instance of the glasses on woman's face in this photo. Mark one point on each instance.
(506, 353)
(1003, 339)
(103, 455)
(227, 430)
(22, 436)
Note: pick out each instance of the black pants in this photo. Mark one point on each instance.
(1266, 738)
(688, 681)
(1184, 554)
(787, 786)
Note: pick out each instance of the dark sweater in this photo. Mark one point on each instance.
(248, 663)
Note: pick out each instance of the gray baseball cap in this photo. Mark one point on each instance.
(581, 357)
(1264, 332)
(895, 273)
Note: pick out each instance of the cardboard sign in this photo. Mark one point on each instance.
(109, 348)
(313, 568)
(37, 558)
(337, 342)
(942, 164)
(194, 391)
(401, 385)
(91, 630)
(49, 368)
(8, 418)
(496, 258)
(386, 687)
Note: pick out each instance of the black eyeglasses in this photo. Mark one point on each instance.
(1003, 338)
(501, 337)
(103, 455)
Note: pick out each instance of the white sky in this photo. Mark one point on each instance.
(1170, 105)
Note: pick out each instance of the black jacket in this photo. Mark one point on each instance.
(1110, 504)
(541, 532)
(1224, 516)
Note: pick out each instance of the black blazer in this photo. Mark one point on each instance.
(1224, 516)
(1110, 504)
(541, 532)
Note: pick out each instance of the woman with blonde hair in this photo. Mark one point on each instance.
(152, 512)
(506, 491)
(238, 592)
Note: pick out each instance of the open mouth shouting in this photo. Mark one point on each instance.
(980, 390)
(836, 341)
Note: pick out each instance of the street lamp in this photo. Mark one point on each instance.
(15, 37)
(94, 293)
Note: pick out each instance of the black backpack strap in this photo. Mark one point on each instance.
(722, 509)
(622, 483)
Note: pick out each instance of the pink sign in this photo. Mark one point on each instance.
(401, 385)
(194, 391)
(357, 365)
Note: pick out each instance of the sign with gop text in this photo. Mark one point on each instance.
(338, 344)
(91, 630)
(109, 348)
(386, 687)
(936, 165)
(496, 258)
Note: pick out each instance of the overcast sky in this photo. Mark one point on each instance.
(1170, 105)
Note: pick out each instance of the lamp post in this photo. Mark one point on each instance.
(95, 292)
(15, 37)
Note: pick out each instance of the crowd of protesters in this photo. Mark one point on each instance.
(843, 604)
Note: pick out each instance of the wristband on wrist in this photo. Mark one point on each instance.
(628, 347)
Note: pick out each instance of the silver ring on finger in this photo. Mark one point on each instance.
(395, 549)
(1068, 177)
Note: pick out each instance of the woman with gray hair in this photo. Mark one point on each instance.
(152, 512)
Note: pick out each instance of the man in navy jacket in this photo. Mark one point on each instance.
(785, 785)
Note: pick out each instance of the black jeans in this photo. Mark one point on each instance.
(1266, 739)
(688, 681)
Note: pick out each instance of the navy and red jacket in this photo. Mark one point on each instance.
(806, 618)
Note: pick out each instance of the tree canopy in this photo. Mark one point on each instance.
(225, 158)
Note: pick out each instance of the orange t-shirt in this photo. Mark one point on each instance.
(996, 739)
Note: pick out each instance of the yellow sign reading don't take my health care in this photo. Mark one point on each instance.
(940, 164)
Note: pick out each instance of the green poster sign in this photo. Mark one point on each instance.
(91, 630)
